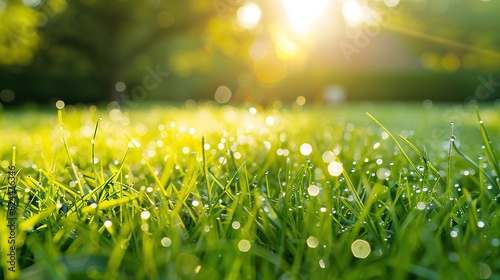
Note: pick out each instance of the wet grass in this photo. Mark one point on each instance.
(250, 193)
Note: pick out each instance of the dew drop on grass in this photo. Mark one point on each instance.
(480, 224)
(244, 245)
(236, 225)
(312, 242)
(313, 190)
(453, 257)
(484, 271)
(383, 173)
(360, 249)
(108, 223)
(166, 242)
(145, 215)
(421, 205)
(322, 263)
(495, 242)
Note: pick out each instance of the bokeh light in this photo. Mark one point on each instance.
(165, 19)
(222, 94)
(335, 168)
(249, 15)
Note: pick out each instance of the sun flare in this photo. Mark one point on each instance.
(302, 14)
(352, 12)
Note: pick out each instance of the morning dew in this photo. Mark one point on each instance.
(244, 245)
(360, 248)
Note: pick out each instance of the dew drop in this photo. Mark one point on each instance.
(244, 245)
(166, 242)
(312, 242)
(421, 205)
(360, 249)
(313, 190)
(145, 215)
(236, 225)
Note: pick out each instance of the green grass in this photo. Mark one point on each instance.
(221, 193)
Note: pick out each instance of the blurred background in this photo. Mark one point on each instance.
(259, 51)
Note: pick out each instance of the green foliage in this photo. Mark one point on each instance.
(223, 193)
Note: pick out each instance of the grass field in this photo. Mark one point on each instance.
(161, 192)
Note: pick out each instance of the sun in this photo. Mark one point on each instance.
(302, 14)
(352, 12)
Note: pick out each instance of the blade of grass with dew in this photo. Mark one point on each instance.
(427, 163)
(491, 155)
(65, 144)
(98, 179)
(403, 152)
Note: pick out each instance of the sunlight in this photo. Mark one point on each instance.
(352, 12)
(249, 15)
(302, 14)
(286, 48)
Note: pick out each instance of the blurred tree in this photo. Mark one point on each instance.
(117, 48)
(449, 34)
(115, 41)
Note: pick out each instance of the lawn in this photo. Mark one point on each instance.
(175, 192)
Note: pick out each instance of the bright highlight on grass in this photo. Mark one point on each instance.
(360, 248)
